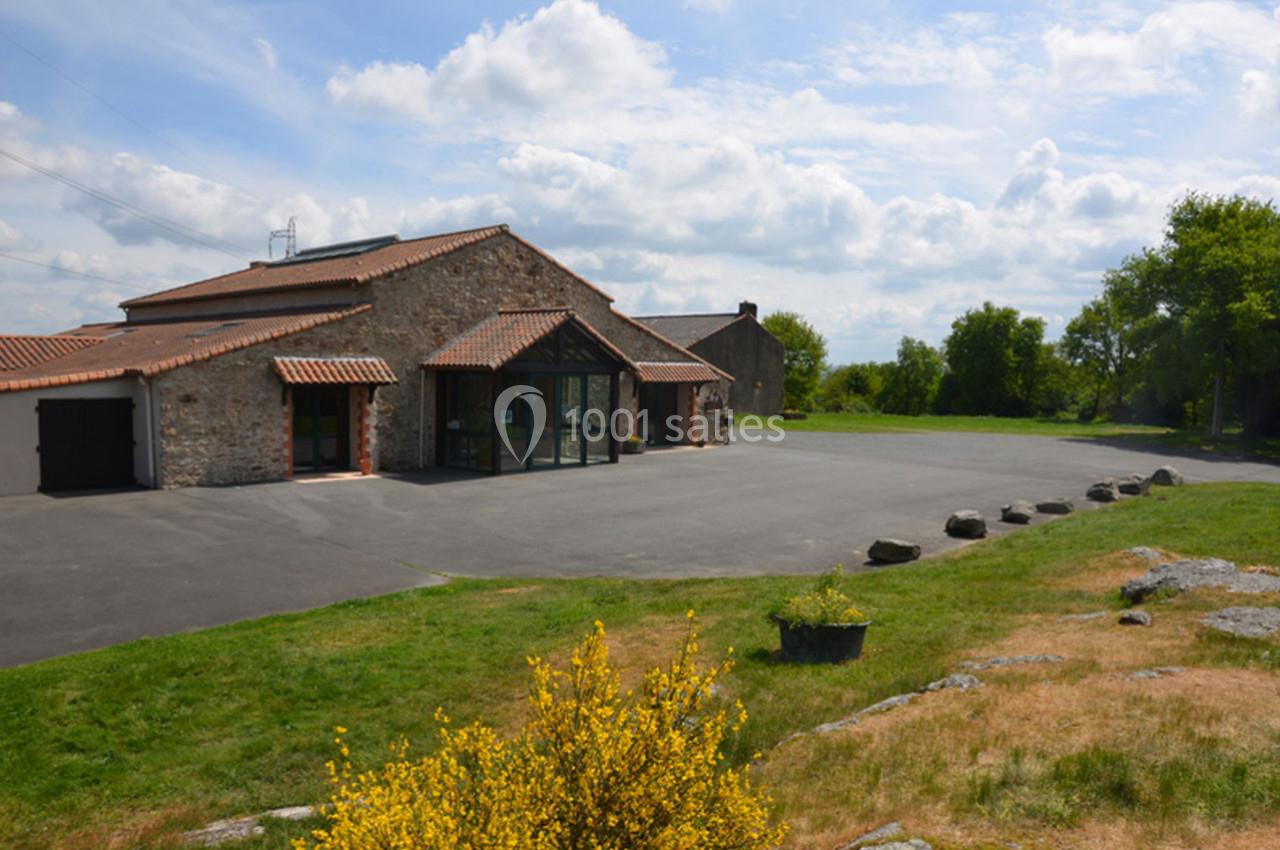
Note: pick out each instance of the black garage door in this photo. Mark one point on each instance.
(85, 443)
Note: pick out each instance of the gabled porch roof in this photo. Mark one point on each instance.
(498, 340)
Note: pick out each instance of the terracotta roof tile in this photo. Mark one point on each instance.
(334, 370)
(152, 348)
(654, 372)
(497, 340)
(354, 269)
(21, 352)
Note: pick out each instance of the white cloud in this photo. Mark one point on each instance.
(437, 215)
(1264, 187)
(1153, 57)
(1260, 92)
(566, 55)
(184, 198)
(8, 111)
(928, 58)
(1039, 185)
(267, 51)
(728, 197)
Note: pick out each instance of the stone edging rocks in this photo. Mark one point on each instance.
(237, 829)
(1011, 660)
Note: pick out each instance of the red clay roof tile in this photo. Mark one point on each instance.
(152, 348)
(497, 340)
(23, 351)
(354, 269)
(334, 370)
(653, 372)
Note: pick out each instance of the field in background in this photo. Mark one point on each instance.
(1149, 436)
(131, 745)
(871, 423)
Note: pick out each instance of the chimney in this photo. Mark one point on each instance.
(745, 307)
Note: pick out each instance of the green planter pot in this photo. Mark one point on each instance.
(823, 644)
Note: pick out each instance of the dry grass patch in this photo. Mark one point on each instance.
(636, 649)
(1109, 836)
(1097, 645)
(148, 829)
(983, 767)
(1107, 573)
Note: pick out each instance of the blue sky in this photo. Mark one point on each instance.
(878, 167)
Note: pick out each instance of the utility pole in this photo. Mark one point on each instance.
(290, 236)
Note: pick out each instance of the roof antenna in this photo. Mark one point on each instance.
(290, 237)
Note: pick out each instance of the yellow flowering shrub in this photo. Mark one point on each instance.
(595, 768)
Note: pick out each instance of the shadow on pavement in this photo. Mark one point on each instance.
(1228, 451)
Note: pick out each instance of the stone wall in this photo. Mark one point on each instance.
(418, 310)
(223, 420)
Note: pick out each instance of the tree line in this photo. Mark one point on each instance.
(1184, 334)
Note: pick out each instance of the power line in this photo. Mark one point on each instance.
(171, 226)
(88, 91)
(191, 158)
(76, 273)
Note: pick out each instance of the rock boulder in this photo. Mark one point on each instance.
(1105, 490)
(1134, 485)
(890, 550)
(1244, 622)
(967, 524)
(1017, 512)
(1166, 476)
(1199, 572)
(1056, 506)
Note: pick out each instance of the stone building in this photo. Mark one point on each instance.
(736, 343)
(382, 354)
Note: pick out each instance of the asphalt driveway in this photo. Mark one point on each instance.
(83, 572)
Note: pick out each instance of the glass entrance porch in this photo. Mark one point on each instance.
(565, 383)
(575, 430)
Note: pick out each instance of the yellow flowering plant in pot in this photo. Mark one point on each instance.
(633, 445)
(822, 626)
(594, 767)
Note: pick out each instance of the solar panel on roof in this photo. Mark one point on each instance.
(213, 330)
(341, 249)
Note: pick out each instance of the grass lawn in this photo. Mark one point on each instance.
(1228, 445)
(870, 423)
(130, 745)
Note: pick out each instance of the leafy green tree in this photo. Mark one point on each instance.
(852, 388)
(1194, 324)
(993, 362)
(912, 381)
(1058, 387)
(1221, 283)
(804, 359)
(1096, 342)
